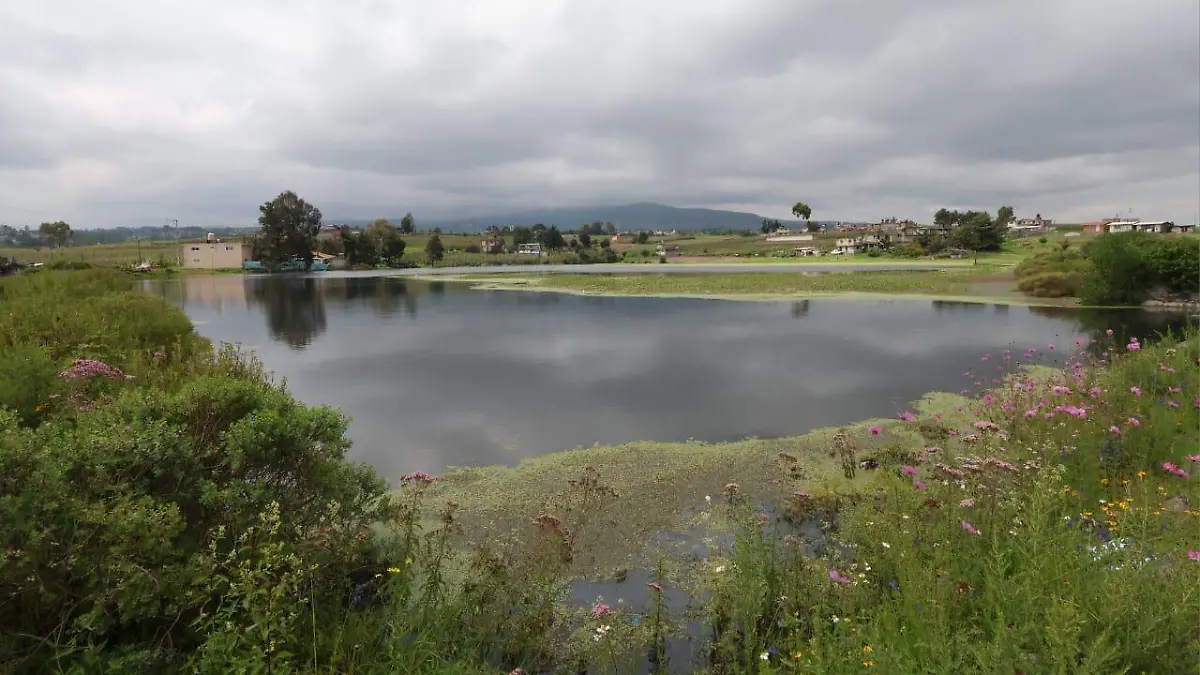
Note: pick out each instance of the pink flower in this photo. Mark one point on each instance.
(1136, 391)
(655, 586)
(416, 477)
(837, 577)
(1194, 458)
(907, 416)
(1133, 345)
(86, 369)
(1061, 389)
(1134, 421)
(1108, 332)
(1172, 404)
(1050, 347)
(967, 503)
(919, 485)
(875, 430)
(984, 425)
(1032, 412)
(1115, 429)
(1079, 343)
(1194, 554)
(1171, 468)
(1197, 401)
(601, 610)
(1173, 390)
(969, 528)
(909, 470)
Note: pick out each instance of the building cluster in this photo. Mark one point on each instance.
(1118, 225)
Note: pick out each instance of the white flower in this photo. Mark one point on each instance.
(835, 618)
(764, 656)
(885, 544)
(707, 499)
(719, 568)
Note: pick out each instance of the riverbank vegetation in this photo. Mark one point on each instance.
(1116, 269)
(950, 282)
(165, 509)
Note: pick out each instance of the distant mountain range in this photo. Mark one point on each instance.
(627, 217)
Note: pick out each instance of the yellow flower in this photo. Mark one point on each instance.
(869, 664)
(1141, 474)
(797, 655)
(867, 649)
(408, 560)
(1111, 523)
(393, 570)
(1104, 481)
(1088, 514)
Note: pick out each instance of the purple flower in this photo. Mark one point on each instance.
(1171, 468)
(919, 485)
(1133, 345)
(416, 477)
(837, 577)
(86, 369)
(1115, 429)
(907, 416)
(601, 610)
(875, 430)
(1134, 421)
(1136, 391)
(1194, 555)
(909, 470)
(1172, 404)
(969, 528)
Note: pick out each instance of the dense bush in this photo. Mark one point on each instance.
(1121, 273)
(1176, 263)
(1115, 269)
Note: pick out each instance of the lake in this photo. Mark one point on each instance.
(434, 374)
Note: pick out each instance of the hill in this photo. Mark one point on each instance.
(639, 216)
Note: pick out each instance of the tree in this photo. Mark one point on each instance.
(57, 233)
(1004, 216)
(605, 243)
(1120, 273)
(768, 226)
(610, 229)
(289, 228)
(434, 251)
(642, 237)
(407, 224)
(522, 235)
(802, 210)
(585, 240)
(551, 239)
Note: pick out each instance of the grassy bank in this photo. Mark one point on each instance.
(168, 510)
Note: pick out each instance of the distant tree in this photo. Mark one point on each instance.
(522, 235)
(768, 226)
(360, 248)
(407, 224)
(551, 239)
(605, 243)
(434, 251)
(585, 240)
(1004, 216)
(944, 218)
(57, 233)
(610, 229)
(289, 228)
(642, 237)
(802, 210)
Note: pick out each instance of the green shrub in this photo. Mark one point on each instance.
(1120, 273)
(1176, 262)
(1051, 284)
(28, 382)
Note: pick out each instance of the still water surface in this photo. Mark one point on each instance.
(434, 374)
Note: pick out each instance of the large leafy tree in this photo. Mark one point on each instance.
(57, 233)
(434, 250)
(802, 210)
(289, 228)
(1004, 216)
(407, 224)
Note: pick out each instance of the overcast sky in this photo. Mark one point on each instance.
(129, 112)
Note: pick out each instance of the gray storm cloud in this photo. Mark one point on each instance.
(126, 114)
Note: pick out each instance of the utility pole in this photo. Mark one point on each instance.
(175, 222)
(139, 243)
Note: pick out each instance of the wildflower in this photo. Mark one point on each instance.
(1109, 332)
(1172, 404)
(86, 369)
(837, 577)
(1173, 390)
(416, 477)
(1194, 554)
(1079, 343)
(869, 664)
(885, 544)
(408, 560)
(601, 610)
(909, 470)
(967, 503)
(1141, 474)
(875, 430)
(1136, 391)
(867, 649)
(984, 425)
(1133, 345)
(655, 586)
(969, 528)
(907, 416)
(797, 655)
(1171, 468)
(1059, 389)
(764, 656)
(919, 485)
(719, 568)
(1194, 458)
(1134, 421)
(1115, 429)
(393, 570)
(707, 499)
(1197, 401)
